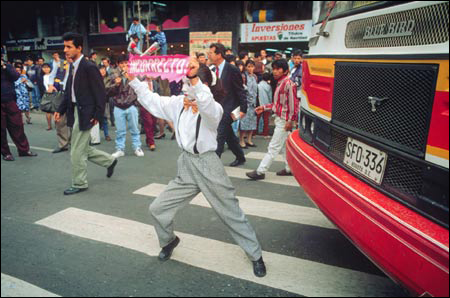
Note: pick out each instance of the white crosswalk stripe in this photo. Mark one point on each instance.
(260, 155)
(261, 208)
(14, 287)
(287, 273)
(271, 177)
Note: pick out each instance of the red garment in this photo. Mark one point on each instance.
(12, 121)
(266, 116)
(148, 121)
(286, 104)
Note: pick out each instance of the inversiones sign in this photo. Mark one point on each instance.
(173, 68)
(276, 32)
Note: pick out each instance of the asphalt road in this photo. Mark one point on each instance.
(102, 243)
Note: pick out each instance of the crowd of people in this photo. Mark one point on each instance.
(221, 98)
(36, 78)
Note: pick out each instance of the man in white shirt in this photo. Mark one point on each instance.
(196, 117)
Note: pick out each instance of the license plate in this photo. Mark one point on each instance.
(365, 160)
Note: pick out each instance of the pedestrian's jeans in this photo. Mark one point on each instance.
(35, 97)
(164, 49)
(277, 145)
(129, 116)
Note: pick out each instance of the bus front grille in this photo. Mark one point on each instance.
(400, 114)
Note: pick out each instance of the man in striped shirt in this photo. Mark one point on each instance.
(285, 108)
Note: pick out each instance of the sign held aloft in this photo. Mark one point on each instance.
(173, 68)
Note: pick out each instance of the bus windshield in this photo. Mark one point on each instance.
(341, 8)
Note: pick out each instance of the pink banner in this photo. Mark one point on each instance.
(173, 68)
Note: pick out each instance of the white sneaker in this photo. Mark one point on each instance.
(139, 152)
(118, 153)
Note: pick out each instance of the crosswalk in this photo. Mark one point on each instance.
(287, 273)
(266, 209)
(14, 287)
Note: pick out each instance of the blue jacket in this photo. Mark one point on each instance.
(160, 37)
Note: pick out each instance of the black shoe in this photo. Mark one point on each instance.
(29, 153)
(250, 145)
(160, 136)
(255, 176)
(110, 170)
(284, 173)
(57, 150)
(167, 250)
(238, 162)
(259, 268)
(8, 157)
(73, 190)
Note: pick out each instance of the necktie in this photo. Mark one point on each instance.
(188, 104)
(217, 72)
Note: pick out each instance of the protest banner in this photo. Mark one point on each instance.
(173, 68)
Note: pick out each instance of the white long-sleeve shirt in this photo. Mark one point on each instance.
(170, 108)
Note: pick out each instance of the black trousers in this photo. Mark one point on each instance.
(226, 134)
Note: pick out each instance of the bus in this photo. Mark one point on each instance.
(372, 147)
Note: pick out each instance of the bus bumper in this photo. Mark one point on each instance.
(409, 248)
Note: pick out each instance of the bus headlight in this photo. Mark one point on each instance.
(312, 127)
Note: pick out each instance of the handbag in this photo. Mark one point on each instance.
(51, 101)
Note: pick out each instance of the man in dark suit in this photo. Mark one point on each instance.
(84, 103)
(235, 97)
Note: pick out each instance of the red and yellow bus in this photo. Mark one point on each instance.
(372, 149)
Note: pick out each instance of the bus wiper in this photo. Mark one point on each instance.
(322, 31)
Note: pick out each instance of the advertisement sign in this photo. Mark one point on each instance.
(199, 42)
(295, 31)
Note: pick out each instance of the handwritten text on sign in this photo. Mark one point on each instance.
(173, 68)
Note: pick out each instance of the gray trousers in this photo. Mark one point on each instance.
(203, 173)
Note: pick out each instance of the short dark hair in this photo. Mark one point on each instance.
(230, 58)
(297, 53)
(281, 63)
(204, 73)
(75, 37)
(266, 76)
(257, 55)
(201, 55)
(18, 65)
(28, 58)
(55, 52)
(92, 54)
(220, 49)
(39, 58)
(46, 65)
(133, 36)
(122, 58)
(105, 58)
(250, 62)
(160, 26)
(135, 19)
(242, 54)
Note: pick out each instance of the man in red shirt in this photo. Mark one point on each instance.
(285, 106)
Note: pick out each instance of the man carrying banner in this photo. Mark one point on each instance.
(196, 117)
